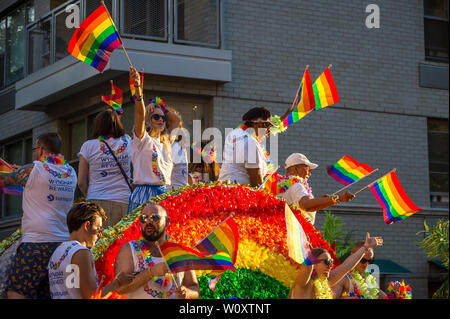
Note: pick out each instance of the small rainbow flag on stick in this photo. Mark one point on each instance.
(180, 258)
(270, 183)
(297, 242)
(391, 196)
(95, 39)
(114, 100)
(325, 92)
(133, 89)
(9, 190)
(304, 100)
(347, 170)
(224, 238)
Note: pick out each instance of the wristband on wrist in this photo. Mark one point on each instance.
(335, 199)
(137, 98)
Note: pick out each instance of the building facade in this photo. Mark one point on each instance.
(212, 60)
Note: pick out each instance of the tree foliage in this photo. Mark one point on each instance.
(337, 238)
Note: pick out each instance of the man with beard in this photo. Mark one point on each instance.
(143, 258)
(294, 188)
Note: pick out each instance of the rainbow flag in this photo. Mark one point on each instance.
(114, 100)
(180, 258)
(325, 92)
(391, 196)
(95, 39)
(224, 238)
(304, 100)
(9, 190)
(270, 183)
(347, 170)
(297, 242)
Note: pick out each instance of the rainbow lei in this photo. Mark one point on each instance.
(287, 181)
(281, 128)
(399, 290)
(58, 160)
(321, 289)
(105, 151)
(363, 290)
(209, 156)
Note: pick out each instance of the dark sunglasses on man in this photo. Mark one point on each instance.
(328, 262)
(156, 117)
(153, 217)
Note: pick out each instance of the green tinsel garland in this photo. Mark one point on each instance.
(243, 284)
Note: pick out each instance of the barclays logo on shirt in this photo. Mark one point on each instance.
(51, 198)
(104, 174)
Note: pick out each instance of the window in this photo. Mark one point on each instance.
(145, 18)
(438, 161)
(12, 43)
(17, 151)
(436, 30)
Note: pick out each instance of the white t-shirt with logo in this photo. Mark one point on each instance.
(293, 195)
(106, 181)
(152, 163)
(62, 274)
(47, 198)
(241, 151)
(179, 176)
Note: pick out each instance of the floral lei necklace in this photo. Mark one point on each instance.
(57, 160)
(365, 292)
(103, 148)
(269, 163)
(321, 289)
(287, 181)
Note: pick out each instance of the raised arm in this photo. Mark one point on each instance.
(340, 271)
(17, 178)
(311, 204)
(139, 106)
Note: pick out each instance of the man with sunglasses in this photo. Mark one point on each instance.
(349, 285)
(74, 257)
(49, 185)
(143, 258)
(244, 160)
(294, 188)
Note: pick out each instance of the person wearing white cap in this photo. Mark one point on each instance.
(294, 188)
(244, 159)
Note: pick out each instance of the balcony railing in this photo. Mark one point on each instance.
(192, 22)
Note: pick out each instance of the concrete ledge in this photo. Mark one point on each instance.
(69, 76)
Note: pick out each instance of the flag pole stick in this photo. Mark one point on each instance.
(231, 215)
(124, 51)
(375, 181)
(338, 191)
(174, 279)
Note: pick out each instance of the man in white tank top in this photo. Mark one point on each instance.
(71, 269)
(49, 185)
(143, 258)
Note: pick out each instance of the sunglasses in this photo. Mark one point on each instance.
(154, 217)
(328, 262)
(365, 261)
(156, 117)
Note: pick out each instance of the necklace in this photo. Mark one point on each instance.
(364, 291)
(321, 289)
(287, 181)
(105, 151)
(57, 160)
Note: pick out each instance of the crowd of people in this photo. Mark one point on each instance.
(118, 173)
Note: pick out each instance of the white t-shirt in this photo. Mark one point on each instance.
(106, 181)
(241, 151)
(47, 198)
(293, 195)
(61, 272)
(152, 163)
(179, 176)
(159, 288)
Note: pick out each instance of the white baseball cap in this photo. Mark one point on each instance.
(297, 159)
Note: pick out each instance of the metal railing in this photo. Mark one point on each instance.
(192, 22)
